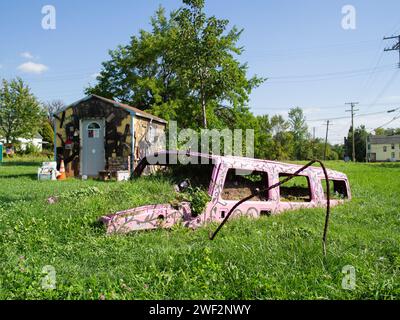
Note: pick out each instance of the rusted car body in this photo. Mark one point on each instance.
(231, 179)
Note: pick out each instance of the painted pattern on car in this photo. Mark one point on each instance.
(167, 215)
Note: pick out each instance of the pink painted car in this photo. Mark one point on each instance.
(228, 180)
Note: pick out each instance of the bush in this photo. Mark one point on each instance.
(198, 199)
(31, 149)
(48, 135)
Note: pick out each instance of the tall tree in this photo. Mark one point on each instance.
(299, 129)
(360, 137)
(20, 112)
(263, 143)
(141, 73)
(185, 69)
(282, 148)
(278, 124)
(207, 66)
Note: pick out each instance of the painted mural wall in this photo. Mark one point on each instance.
(148, 138)
(118, 134)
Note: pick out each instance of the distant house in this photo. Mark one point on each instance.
(36, 141)
(384, 148)
(95, 135)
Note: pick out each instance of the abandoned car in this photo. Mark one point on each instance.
(229, 180)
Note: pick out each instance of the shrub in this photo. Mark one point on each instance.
(31, 149)
(198, 199)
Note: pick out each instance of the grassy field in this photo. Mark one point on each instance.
(271, 258)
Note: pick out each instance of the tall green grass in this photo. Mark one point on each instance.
(271, 258)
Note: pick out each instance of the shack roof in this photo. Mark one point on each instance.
(138, 112)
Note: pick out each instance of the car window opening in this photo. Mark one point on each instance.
(238, 186)
(295, 190)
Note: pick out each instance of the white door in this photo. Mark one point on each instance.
(93, 153)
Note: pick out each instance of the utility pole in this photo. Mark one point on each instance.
(326, 138)
(353, 104)
(395, 47)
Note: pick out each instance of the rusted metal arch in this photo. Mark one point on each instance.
(214, 234)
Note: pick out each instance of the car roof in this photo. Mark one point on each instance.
(250, 163)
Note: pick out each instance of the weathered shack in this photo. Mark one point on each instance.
(96, 134)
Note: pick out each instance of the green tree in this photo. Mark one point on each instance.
(47, 133)
(299, 129)
(20, 112)
(387, 132)
(339, 149)
(262, 137)
(380, 131)
(360, 137)
(207, 66)
(282, 146)
(142, 73)
(184, 69)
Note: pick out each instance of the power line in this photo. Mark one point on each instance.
(322, 107)
(395, 47)
(328, 46)
(326, 76)
(329, 73)
(395, 29)
(391, 121)
(370, 80)
(356, 116)
(385, 88)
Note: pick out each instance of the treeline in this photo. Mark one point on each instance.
(280, 139)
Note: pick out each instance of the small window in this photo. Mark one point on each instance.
(295, 190)
(393, 155)
(393, 147)
(239, 186)
(384, 149)
(337, 189)
(94, 130)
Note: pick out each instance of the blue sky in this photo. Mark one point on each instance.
(310, 60)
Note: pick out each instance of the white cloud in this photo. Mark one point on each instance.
(31, 67)
(27, 55)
